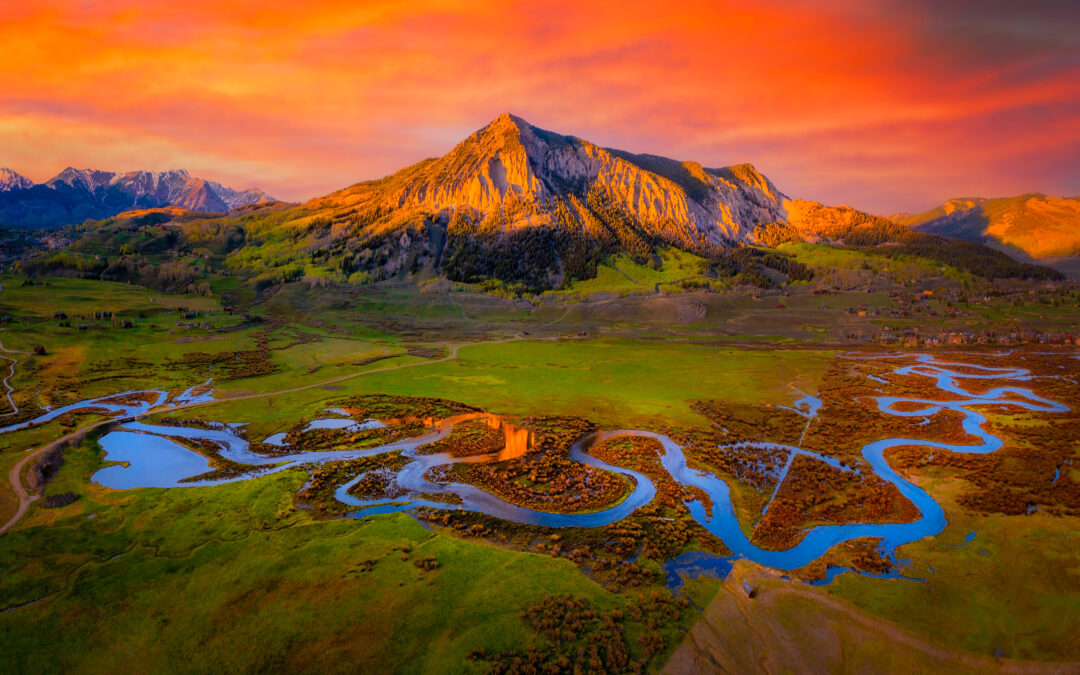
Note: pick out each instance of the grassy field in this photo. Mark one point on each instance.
(130, 580)
(616, 383)
(236, 578)
(848, 264)
(1013, 590)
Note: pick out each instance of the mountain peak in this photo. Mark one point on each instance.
(510, 174)
(13, 180)
(86, 179)
(507, 120)
(1039, 225)
(506, 128)
(74, 195)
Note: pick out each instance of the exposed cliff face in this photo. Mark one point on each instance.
(77, 194)
(534, 177)
(1038, 225)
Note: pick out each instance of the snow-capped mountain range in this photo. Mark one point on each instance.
(74, 195)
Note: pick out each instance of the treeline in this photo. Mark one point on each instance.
(569, 248)
(518, 247)
(978, 259)
(181, 275)
(892, 240)
(752, 265)
(142, 250)
(537, 257)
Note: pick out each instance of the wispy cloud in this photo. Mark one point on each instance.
(884, 105)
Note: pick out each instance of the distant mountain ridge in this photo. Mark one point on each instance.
(75, 195)
(1040, 226)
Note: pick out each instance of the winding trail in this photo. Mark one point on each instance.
(7, 380)
(16, 471)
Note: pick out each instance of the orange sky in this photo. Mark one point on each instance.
(884, 105)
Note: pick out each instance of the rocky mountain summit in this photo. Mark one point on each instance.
(13, 180)
(516, 205)
(517, 175)
(75, 195)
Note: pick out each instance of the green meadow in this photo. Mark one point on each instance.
(236, 578)
(128, 580)
(1011, 590)
(616, 383)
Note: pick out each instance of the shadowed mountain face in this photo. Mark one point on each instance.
(78, 194)
(1040, 226)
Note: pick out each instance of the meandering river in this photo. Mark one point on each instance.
(150, 459)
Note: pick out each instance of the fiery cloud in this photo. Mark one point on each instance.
(883, 105)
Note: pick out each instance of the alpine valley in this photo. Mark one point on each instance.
(534, 406)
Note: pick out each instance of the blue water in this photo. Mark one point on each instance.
(807, 406)
(694, 564)
(188, 396)
(411, 478)
(122, 410)
(833, 571)
(967, 540)
(343, 423)
(277, 439)
(336, 423)
(155, 461)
